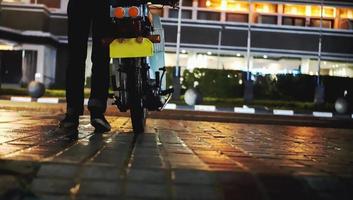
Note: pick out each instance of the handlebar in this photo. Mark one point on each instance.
(136, 2)
(164, 2)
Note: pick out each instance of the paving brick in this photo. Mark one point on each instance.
(52, 185)
(147, 161)
(49, 197)
(328, 184)
(8, 183)
(197, 192)
(143, 151)
(100, 188)
(147, 190)
(100, 172)
(231, 192)
(96, 197)
(185, 176)
(148, 176)
(279, 187)
(6, 149)
(80, 151)
(57, 170)
(110, 157)
(236, 178)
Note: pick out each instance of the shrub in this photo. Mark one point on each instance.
(285, 87)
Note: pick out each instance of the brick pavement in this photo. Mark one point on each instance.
(174, 159)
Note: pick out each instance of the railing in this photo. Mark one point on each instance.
(280, 19)
(193, 12)
(54, 5)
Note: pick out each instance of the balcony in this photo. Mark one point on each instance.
(281, 14)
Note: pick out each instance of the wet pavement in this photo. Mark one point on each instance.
(174, 159)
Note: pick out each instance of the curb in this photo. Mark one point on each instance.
(48, 100)
(205, 108)
(248, 110)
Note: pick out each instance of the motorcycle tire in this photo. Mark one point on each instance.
(135, 95)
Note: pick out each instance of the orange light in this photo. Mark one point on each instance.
(134, 11)
(119, 12)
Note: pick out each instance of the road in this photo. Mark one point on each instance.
(174, 159)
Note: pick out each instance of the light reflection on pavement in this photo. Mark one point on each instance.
(174, 159)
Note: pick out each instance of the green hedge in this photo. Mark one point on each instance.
(282, 87)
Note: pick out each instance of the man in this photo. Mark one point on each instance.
(82, 16)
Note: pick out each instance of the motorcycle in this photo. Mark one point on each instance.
(137, 51)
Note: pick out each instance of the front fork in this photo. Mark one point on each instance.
(119, 85)
(154, 98)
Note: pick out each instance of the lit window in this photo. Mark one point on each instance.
(327, 11)
(223, 5)
(238, 6)
(346, 13)
(310, 11)
(265, 8)
(227, 5)
(290, 9)
(17, 1)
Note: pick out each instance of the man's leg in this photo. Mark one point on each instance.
(79, 19)
(100, 69)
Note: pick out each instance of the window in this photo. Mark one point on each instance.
(346, 24)
(185, 14)
(17, 1)
(265, 8)
(267, 19)
(48, 3)
(293, 21)
(227, 5)
(327, 11)
(187, 3)
(325, 23)
(290, 9)
(207, 15)
(346, 13)
(234, 17)
(238, 6)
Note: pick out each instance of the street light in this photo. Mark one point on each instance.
(219, 46)
(0, 66)
(248, 43)
(178, 34)
(249, 85)
(176, 81)
(319, 90)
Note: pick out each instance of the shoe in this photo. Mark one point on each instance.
(70, 122)
(100, 124)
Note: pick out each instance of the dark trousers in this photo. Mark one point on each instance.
(84, 16)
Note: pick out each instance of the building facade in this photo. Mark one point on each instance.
(214, 34)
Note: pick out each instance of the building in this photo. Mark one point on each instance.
(214, 33)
